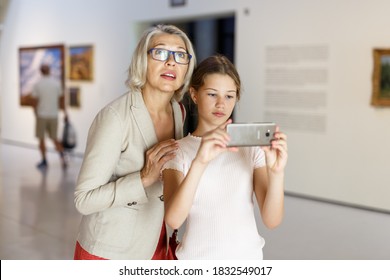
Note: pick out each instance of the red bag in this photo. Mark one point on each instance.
(173, 243)
(163, 250)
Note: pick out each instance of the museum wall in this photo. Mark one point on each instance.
(310, 68)
(305, 64)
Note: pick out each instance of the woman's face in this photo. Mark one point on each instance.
(165, 76)
(215, 99)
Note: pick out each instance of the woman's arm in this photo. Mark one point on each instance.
(96, 190)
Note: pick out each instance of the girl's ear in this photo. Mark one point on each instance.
(193, 94)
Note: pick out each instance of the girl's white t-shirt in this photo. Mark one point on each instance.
(221, 223)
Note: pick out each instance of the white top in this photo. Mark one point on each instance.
(221, 223)
(47, 91)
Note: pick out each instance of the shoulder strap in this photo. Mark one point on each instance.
(183, 111)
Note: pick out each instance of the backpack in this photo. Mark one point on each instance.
(68, 136)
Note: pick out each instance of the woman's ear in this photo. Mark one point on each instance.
(193, 95)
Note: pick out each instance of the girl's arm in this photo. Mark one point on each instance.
(269, 181)
(179, 191)
(269, 191)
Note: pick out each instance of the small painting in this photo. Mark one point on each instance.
(381, 78)
(74, 97)
(81, 63)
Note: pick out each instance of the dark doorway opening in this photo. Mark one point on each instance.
(209, 36)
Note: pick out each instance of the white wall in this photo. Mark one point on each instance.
(350, 160)
(347, 162)
(40, 22)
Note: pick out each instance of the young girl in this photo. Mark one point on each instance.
(211, 186)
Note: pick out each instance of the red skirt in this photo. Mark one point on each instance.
(160, 253)
(81, 254)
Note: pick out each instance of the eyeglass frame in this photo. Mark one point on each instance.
(169, 54)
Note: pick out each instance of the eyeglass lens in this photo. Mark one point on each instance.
(163, 55)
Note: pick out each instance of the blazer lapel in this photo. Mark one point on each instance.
(143, 119)
(145, 123)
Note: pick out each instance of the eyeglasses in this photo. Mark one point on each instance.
(163, 55)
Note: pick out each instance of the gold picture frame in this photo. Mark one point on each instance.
(74, 97)
(30, 60)
(381, 78)
(81, 63)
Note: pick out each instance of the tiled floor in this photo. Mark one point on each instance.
(38, 219)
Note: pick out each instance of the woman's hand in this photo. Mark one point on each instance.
(156, 157)
(276, 155)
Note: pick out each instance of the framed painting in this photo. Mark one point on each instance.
(81, 63)
(30, 60)
(74, 97)
(381, 78)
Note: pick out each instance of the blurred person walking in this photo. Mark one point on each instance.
(47, 95)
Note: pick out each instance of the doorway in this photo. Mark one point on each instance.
(209, 36)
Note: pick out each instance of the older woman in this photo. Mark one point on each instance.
(118, 190)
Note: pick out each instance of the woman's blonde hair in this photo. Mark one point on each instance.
(138, 67)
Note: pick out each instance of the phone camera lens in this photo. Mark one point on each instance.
(267, 134)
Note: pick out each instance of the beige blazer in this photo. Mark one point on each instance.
(121, 219)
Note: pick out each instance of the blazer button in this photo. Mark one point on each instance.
(132, 203)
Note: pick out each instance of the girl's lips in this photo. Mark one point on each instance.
(219, 114)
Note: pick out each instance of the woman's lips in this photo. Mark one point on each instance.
(169, 75)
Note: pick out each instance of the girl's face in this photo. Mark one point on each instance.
(165, 76)
(215, 99)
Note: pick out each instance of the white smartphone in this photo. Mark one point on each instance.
(250, 134)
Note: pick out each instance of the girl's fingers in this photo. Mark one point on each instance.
(223, 126)
(218, 134)
(280, 135)
(233, 149)
(217, 141)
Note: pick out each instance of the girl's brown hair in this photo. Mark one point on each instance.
(216, 64)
